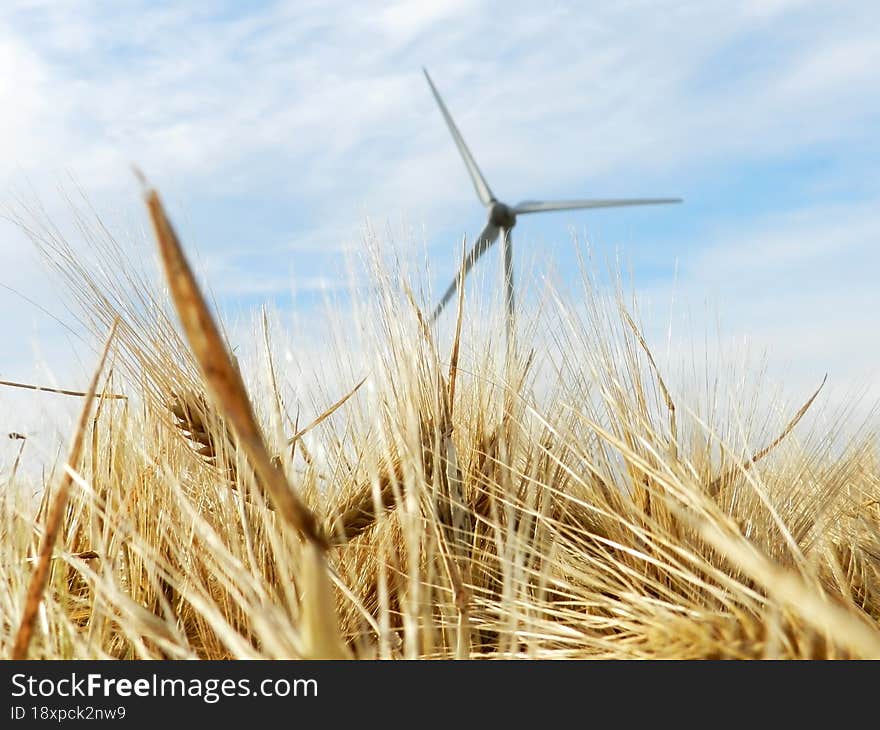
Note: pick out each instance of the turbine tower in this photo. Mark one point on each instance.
(502, 218)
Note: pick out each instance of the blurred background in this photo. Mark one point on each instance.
(281, 133)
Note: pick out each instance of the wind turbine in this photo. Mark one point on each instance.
(502, 218)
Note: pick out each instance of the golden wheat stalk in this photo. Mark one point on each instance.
(222, 379)
(40, 576)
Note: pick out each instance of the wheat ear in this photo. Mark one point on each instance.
(320, 630)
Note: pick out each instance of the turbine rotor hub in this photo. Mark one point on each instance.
(501, 215)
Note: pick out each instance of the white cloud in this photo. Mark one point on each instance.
(799, 288)
(403, 22)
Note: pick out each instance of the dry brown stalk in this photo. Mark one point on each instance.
(453, 514)
(456, 342)
(84, 555)
(87, 555)
(270, 362)
(461, 518)
(716, 483)
(292, 441)
(670, 404)
(15, 436)
(63, 391)
(54, 521)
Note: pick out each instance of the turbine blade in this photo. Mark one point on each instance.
(480, 184)
(484, 242)
(540, 206)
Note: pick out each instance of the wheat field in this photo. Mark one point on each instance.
(456, 499)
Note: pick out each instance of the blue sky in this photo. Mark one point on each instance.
(275, 132)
